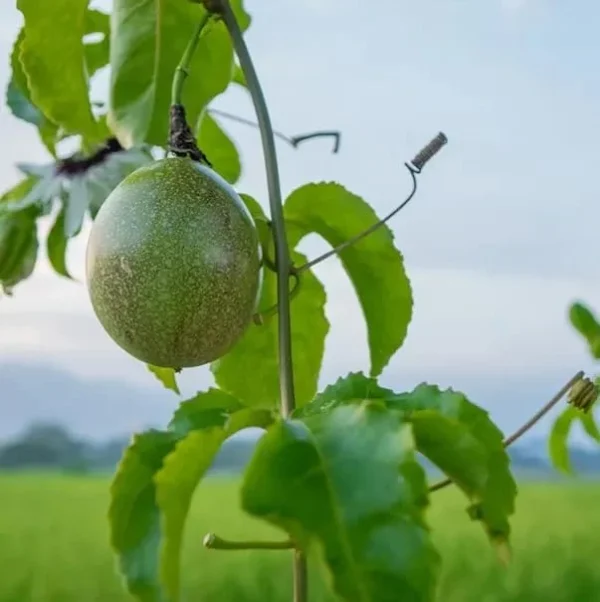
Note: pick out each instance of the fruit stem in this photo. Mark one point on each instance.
(282, 256)
(528, 425)
(183, 69)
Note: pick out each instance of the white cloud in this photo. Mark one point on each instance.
(502, 235)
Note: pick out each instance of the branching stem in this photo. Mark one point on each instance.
(214, 542)
(282, 256)
(528, 425)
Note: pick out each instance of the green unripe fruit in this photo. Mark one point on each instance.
(173, 264)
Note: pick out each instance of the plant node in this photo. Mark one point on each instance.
(583, 395)
(181, 139)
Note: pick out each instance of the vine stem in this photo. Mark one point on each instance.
(282, 256)
(528, 425)
(183, 69)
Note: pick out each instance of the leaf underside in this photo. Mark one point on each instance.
(148, 41)
(453, 433)
(347, 487)
(154, 484)
(374, 265)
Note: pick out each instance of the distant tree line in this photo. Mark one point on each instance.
(47, 446)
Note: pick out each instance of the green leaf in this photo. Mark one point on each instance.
(18, 99)
(219, 148)
(587, 325)
(486, 479)
(558, 447)
(49, 135)
(20, 105)
(211, 417)
(557, 441)
(56, 246)
(134, 517)
(153, 487)
(148, 41)
(166, 376)
(59, 88)
(17, 192)
(76, 205)
(589, 425)
(250, 371)
(18, 248)
(456, 435)
(97, 53)
(347, 486)
(374, 265)
(102, 179)
(17, 92)
(238, 76)
(353, 388)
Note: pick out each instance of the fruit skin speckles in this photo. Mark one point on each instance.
(173, 264)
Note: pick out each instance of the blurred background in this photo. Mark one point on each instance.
(499, 241)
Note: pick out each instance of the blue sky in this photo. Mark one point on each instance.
(502, 235)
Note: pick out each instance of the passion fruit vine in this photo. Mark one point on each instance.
(173, 264)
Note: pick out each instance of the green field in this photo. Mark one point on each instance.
(53, 547)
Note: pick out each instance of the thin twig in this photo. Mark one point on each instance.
(528, 425)
(214, 542)
(293, 141)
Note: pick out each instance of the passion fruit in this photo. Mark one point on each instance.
(173, 264)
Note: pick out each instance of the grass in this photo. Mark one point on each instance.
(53, 547)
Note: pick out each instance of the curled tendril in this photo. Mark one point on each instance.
(583, 395)
(260, 317)
(414, 168)
(293, 141)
